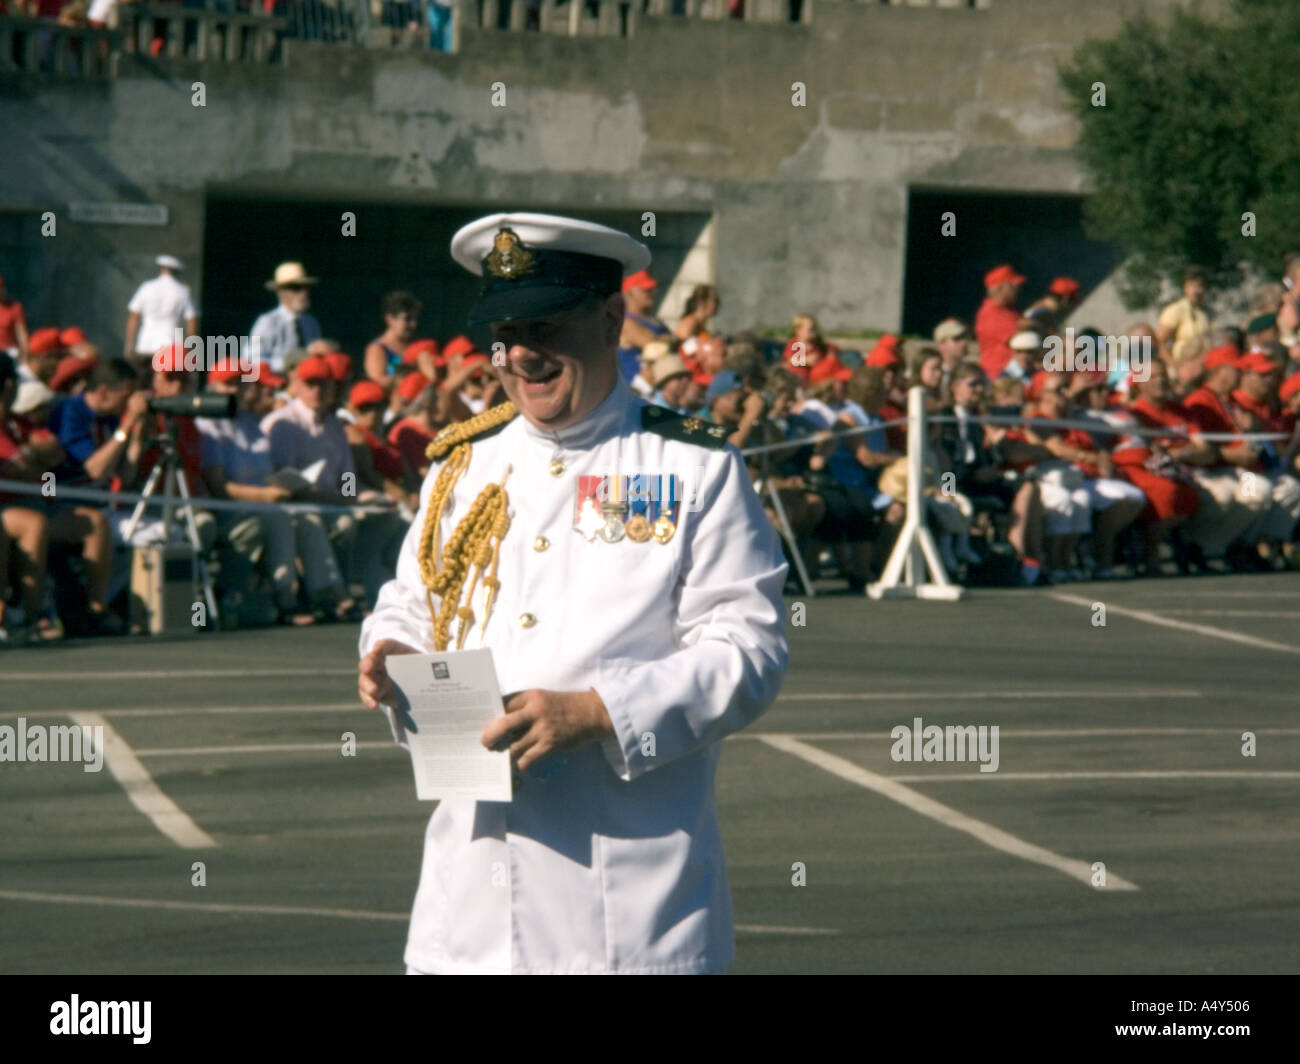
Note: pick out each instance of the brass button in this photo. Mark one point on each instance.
(557, 467)
(527, 620)
(541, 543)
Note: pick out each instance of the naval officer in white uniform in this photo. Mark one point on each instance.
(629, 585)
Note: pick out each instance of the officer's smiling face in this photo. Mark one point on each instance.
(560, 368)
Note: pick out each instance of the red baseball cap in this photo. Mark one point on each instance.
(640, 279)
(314, 369)
(339, 363)
(1255, 362)
(1064, 286)
(1289, 387)
(412, 385)
(43, 341)
(826, 368)
(1034, 388)
(418, 347)
(223, 374)
(265, 376)
(702, 378)
(882, 357)
(72, 335)
(169, 359)
(69, 369)
(1002, 275)
(1221, 356)
(366, 393)
(457, 345)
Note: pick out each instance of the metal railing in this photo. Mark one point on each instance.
(43, 46)
(198, 33)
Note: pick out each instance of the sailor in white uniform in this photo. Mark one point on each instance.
(629, 585)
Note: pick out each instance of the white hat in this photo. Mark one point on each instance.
(170, 261)
(289, 273)
(534, 265)
(29, 396)
(1026, 340)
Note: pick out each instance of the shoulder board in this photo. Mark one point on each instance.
(688, 429)
(479, 427)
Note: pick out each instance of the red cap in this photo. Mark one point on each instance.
(476, 358)
(702, 378)
(366, 393)
(69, 369)
(842, 374)
(223, 374)
(1289, 387)
(457, 345)
(882, 357)
(826, 369)
(1255, 362)
(1002, 275)
(414, 350)
(340, 364)
(265, 376)
(43, 341)
(314, 369)
(640, 279)
(1035, 386)
(412, 385)
(1064, 286)
(1221, 356)
(169, 359)
(72, 335)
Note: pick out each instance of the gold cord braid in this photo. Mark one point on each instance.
(476, 540)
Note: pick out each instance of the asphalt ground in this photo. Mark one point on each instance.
(1119, 744)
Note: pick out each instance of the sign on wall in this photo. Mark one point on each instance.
(119, 213)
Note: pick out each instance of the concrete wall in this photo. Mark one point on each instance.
(809, 202)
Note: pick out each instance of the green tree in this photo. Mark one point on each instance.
(1197, 129)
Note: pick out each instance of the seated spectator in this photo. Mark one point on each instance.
(43, 354)
(1235, 493)
(808, 349)
(693, 326)
(301, 433)
(975, 453)
(672, 382)
(951, 339)
(926, 371)
(1026, 355)
(70, 376)
(1255, 399)
(384, 353)
(13, 326)
(643, 383)
(380, 466)
(24, 526)
(1160, 466)
(731, 404)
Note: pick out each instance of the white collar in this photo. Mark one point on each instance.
(602, 423)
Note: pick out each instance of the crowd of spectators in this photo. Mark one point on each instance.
(1191, 462)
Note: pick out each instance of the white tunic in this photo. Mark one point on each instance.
(608, 859)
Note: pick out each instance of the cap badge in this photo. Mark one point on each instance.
(509, 259)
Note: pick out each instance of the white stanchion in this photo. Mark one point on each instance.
(904, 575)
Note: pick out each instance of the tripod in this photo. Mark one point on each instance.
(167, 470)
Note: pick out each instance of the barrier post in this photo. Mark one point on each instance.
(904, 575)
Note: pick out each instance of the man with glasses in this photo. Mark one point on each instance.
(289, 325)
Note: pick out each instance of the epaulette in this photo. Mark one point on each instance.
(687, 428)
(479, 427)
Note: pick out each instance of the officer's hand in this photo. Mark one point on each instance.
(373, 682)
(537, 723)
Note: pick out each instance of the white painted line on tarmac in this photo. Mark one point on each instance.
(263, 748)
(986, 833)
(144, 793)
(977, 696)
(1137, 774)
(42, 897)
(1237, 613)
(1184, 626)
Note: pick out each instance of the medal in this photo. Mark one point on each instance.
(586, 510)
(665, 524)
(638, 497)
(614, 509)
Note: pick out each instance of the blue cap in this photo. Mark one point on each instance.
(724, 381)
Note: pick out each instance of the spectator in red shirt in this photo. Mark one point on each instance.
(1231, 501)
(808, 349)
(998, 319)
(13, 326)
(379, 464)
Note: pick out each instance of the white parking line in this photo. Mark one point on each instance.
(919, 803)
(305, 910)
(1173, 774)
(1184, 626)
(145, 795)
